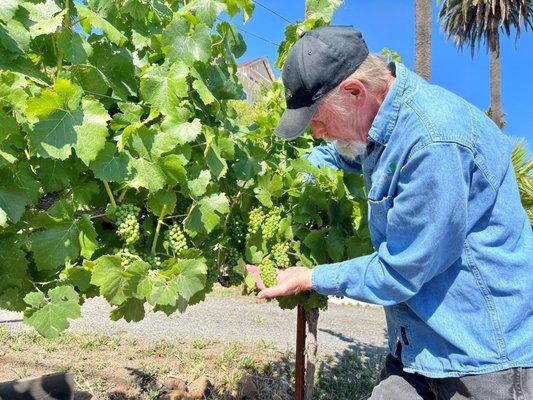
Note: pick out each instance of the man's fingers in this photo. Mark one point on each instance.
(254, 272)
(274, 291)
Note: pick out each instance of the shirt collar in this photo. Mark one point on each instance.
(387, 115)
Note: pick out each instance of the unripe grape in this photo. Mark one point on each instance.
(279, 252)
(153, 261)
(127, 256)
(271, 224)
(176, 239)
(268, 271)
(128, 227)
(257, 216)
(232, 260)
(237, 231)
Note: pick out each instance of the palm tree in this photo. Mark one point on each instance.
(523, 167)
(471, 21)
(423, 12)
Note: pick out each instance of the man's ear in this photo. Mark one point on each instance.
(356, 89)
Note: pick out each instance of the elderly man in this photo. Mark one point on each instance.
(453, 265)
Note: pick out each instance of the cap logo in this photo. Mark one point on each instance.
(288, 93)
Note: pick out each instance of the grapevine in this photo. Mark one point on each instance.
(141, 120)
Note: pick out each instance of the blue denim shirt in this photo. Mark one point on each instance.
(453, 264)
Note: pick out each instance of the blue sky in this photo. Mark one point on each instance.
(390, 23)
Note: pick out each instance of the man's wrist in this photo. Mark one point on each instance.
(307, 283)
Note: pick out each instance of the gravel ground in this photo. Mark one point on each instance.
(341, 328)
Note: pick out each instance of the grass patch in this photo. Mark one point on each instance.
(123, 366)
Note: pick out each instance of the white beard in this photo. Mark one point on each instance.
(350, 149)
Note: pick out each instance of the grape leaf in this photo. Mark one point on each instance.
(183, 132)
(13, 265)
(13, 202)
(335, 245)
(87, 237)
(181, 46)
(12, 299)
(56, 245)
(205, 215)
(208, 10)
(232, 39)
(49, 316)
(174, 170)
(116, 283)
(198, 186)
(164, 86)
(157, 200)
(158, 290)
(8, 9)
(148, 174)
(92, 133)
(74, 47)
(188, 275)
(112, 33)
(110, 165)
(217, 165)
(14, 36)
(132, 310)
(47, 26)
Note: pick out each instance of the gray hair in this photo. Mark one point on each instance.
(373, 73)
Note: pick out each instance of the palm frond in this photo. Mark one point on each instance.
(471, 22)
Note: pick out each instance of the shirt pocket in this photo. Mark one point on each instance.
(377, 218)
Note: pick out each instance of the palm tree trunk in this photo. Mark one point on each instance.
(495, 88)
(423, 13)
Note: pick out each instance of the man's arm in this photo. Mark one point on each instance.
(426, 230)
(327, 154)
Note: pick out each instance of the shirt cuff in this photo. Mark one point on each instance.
(324, 279)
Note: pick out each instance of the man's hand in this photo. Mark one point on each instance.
(288, 281)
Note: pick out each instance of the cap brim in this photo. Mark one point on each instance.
(294, 121)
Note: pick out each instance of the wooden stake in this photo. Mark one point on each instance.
(299, 389)
(311, 317)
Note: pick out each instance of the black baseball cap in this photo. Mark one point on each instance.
(319, 61)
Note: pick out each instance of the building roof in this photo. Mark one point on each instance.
(259, 67)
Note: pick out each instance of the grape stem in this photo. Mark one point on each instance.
(122, 195)
(158, 227)
(110, 194)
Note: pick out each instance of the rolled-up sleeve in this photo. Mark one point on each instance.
(425, 231)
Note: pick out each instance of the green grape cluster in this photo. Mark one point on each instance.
(176, 239)
(212, 276)
(127, 256)
(267, 271)
(153, 261)
(128, 227)
(232, 260)
(271, 224)
(279, 252)
(257, 216)
(237, 231)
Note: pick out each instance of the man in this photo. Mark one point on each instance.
(453, 265)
